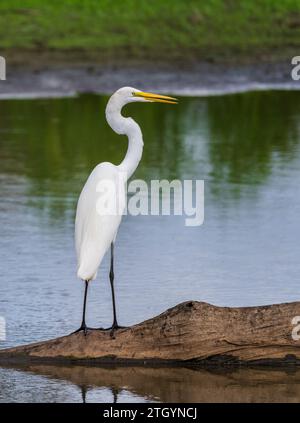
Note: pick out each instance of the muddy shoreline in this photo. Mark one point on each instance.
(200, 79)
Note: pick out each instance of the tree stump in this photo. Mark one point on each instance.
(191, 332)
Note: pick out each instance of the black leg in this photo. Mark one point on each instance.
(111, 278)
(83, 324)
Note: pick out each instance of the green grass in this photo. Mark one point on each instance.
(154, 29)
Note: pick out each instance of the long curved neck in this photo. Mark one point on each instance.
(126, 126)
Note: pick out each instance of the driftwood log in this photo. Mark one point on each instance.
(191, 332)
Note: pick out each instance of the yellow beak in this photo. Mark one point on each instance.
(156, 97)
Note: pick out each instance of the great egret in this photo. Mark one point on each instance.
(95, 232)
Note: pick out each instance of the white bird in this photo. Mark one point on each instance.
(95, 230)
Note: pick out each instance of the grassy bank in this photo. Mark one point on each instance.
(147, 30)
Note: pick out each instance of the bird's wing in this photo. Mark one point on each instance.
(97, 220)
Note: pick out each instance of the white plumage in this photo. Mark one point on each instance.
(95, 232)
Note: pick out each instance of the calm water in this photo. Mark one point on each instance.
(247, 149)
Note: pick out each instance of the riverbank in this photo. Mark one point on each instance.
(201, 79)
(162, 32)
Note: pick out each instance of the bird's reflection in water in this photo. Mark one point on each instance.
(83, 389)
(114, 391)
(177, 384)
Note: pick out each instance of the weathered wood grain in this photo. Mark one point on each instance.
(189, 332)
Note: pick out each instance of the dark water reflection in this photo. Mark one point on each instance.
(122, 384)
(263, 132)
(231, 139)
(247, 149)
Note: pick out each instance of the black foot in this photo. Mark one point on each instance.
(114, 328)
(83, 328)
